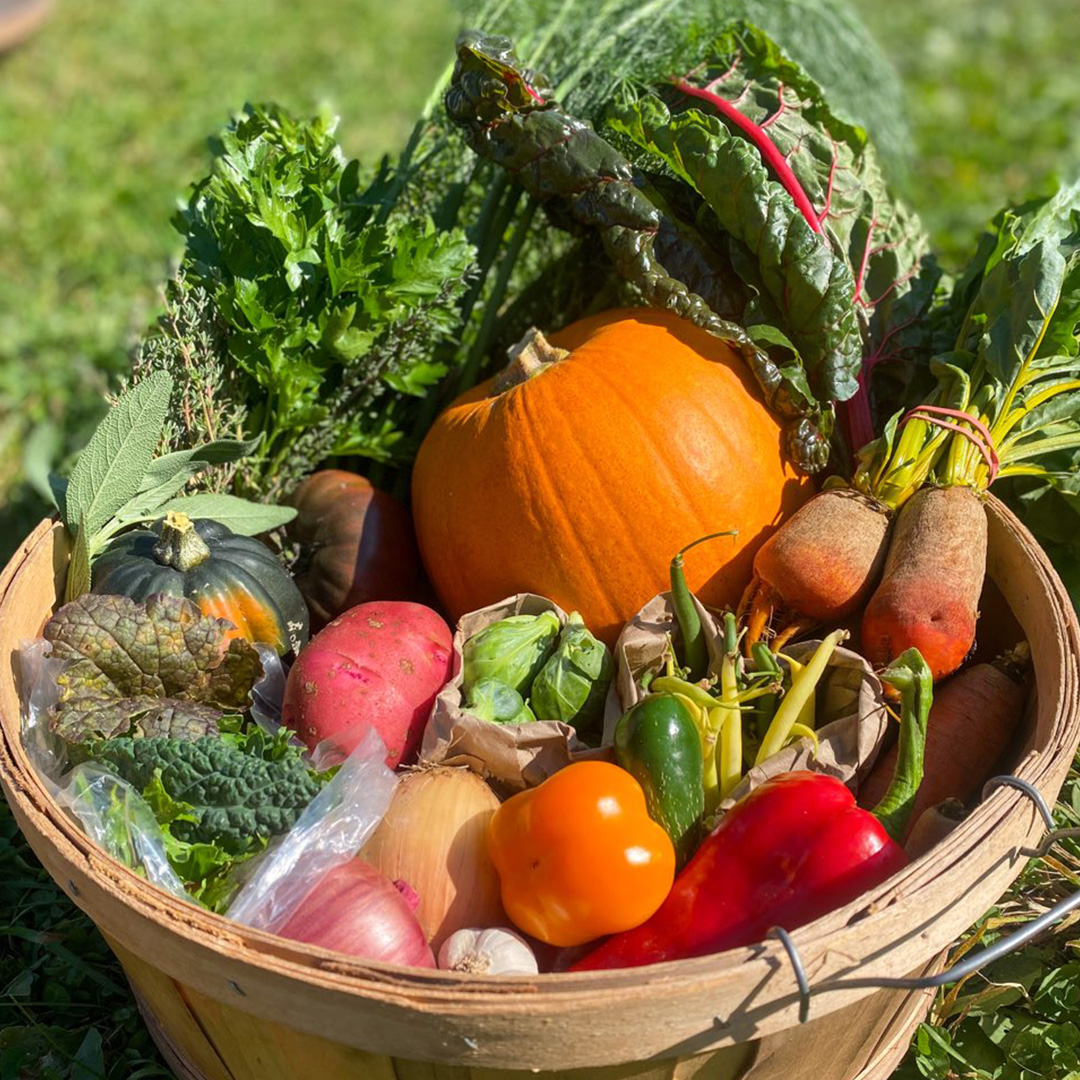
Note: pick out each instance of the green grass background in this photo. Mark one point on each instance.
(103, 122)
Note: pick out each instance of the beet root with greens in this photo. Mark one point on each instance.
(821, 564)
(929, 593)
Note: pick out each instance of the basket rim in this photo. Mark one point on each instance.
(430, 991)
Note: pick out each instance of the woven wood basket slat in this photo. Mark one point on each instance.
(226, 996)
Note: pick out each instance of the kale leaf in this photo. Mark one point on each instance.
(211, 791)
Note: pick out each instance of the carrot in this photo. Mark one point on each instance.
(971, 722)
(928, 598)
(821, 564)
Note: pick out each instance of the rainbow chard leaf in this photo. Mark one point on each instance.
(156, 669)
(732, 196)
(831, 258)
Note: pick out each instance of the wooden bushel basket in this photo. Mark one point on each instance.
(228, 1003)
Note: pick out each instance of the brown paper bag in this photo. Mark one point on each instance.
(511, 757)
(642, 647)
(851, 716)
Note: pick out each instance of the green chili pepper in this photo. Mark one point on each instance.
(695, 658)
(910, 676)
(803, 687)
(658, 743)
(729, 763)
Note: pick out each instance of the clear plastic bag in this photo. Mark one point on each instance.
(38, 673)
(269, 692)
(109, 810)
(329, 832)
(115, 816)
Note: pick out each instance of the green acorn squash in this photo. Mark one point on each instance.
(233, 577)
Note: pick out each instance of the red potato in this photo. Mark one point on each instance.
(971, 723)
(928, 598)
(379, 664)
(822, 563)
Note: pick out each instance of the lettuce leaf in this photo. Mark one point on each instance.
(161, 668)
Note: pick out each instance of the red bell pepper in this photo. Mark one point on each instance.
(794, 849)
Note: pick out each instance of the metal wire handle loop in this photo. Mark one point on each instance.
(1008, 944)
(1028, 788)
(800, 972)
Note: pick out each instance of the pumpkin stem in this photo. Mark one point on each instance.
(180, 546)
(527, 358)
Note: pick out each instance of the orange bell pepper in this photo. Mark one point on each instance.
(579, 857)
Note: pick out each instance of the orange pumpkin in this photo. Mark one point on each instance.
(579, 471)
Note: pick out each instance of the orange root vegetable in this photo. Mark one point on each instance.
(822, 563)
(928, 598)
(972, 720)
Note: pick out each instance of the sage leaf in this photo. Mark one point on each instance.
(167, 475)
(190, 462)
(78, 577)
(40, 449)
(111, 468)
(241, 516)
(58, 486)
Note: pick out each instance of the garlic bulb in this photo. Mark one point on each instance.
(487, 952)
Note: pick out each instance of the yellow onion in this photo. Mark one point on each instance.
(434, 837)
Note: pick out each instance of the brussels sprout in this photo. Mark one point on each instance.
(511, 650)
(573, 684)
(495, 701)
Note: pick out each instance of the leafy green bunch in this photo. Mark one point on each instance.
(327, 298)
(1012, 377)
(218, 799)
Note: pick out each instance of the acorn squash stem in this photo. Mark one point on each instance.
(180, 546)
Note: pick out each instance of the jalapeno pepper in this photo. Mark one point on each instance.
(658, 743)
